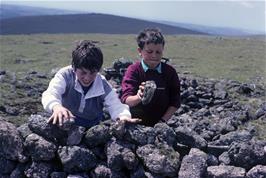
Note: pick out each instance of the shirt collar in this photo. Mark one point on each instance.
(96, 89)
(146, 67)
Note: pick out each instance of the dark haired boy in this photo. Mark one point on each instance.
(79, 92)
(166, 98)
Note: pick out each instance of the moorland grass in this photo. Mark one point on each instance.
(235, 58)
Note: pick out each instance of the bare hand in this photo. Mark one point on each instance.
(60, 114)
(129, 119)
(141, 89)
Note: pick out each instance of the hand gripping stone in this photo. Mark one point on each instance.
(149, 89)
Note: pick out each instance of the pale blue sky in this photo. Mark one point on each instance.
(249, 15)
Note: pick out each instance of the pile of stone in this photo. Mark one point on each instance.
(118, 69)
(116, 149)
(210, 135)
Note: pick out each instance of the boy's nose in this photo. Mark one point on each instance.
(87, 77)
(154, 55)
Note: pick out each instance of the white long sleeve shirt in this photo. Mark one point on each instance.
(65, 89)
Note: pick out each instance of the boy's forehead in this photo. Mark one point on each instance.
(86, 70)
(153, 46)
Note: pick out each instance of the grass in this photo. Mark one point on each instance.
(44, 52)
(240, 59)
(259, 126)
(232, 58)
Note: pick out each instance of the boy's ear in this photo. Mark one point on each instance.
(139, 50)
(74, 68)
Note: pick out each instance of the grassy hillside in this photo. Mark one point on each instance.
(239, 59)
(82, 23)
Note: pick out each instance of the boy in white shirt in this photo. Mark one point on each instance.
(80, 92)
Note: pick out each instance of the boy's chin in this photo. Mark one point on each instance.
(153, 63)
(85, 84)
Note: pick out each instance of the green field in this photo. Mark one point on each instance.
(242, 59)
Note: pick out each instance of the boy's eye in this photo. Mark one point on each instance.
(83, 73)
(93, 73)
(150, 52)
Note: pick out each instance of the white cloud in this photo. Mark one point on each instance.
(247, 4)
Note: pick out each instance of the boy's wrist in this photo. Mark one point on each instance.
(138, 95)
(163, 120)
(56, 106)
(53, 105)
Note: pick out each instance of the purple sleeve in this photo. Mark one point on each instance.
(130, 82)
(175, 99)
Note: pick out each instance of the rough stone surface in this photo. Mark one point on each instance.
(258, 171)
(194, 164)
(212, 134)
(225, 172)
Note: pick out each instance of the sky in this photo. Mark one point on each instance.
(247, 15)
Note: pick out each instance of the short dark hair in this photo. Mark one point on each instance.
(150, 35)
(87, 55)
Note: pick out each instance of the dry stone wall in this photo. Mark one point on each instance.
(210, 136)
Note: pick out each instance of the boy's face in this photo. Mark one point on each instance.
(152, 54)
(85, 76)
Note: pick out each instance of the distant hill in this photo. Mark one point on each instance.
(225, 31)
(83, 23)
(101, 23)
(11, 11)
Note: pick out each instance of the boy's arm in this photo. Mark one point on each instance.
(175, 98)
(135, 99)
(117, 109)
(52, 100)
(174, 86)
(132, 91)
(53, 95)
(169, 113)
